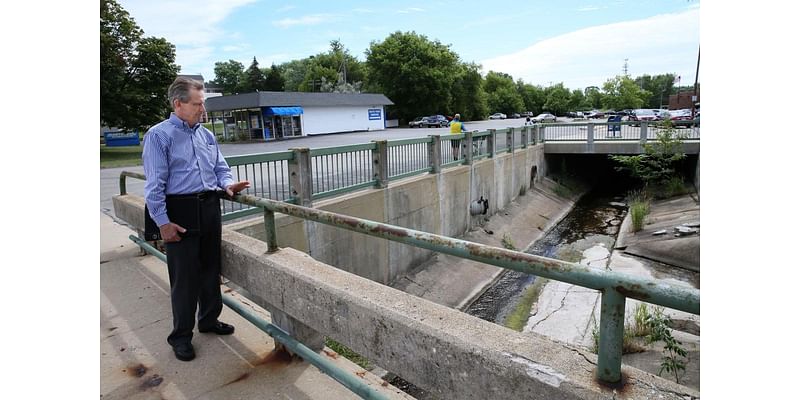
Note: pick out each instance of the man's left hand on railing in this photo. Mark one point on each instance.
(237, 187)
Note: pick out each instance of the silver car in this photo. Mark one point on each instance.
(544, 117)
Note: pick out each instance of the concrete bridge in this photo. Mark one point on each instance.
(341, 291)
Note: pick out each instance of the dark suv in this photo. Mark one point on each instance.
(438, 121)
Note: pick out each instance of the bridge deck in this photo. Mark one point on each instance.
(137, 362)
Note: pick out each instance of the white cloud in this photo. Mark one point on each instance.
(662, 44)
(409, 10)
(589, 8)
(314, 19)
(192, 26)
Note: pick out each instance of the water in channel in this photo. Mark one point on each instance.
(593, 222)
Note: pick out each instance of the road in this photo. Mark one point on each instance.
(109, 177)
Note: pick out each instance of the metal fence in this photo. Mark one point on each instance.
(268, 174)
(614, 287)
(337, 170)
(408, 157)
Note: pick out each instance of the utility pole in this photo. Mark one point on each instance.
(625, 68)
(696, 75)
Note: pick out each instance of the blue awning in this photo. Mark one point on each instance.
(283, 110)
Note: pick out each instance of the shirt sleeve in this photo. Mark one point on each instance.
(221, 168)
(156, 172)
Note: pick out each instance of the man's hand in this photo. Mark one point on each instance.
(237, 187)
(169, 232)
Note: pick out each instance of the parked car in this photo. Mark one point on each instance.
(642, 114)
(526, 114)
(497, 116)
(544, 117)
(437, 121)
(516, 115)
(577, 115)
(416, 123)
(596, 114)
(680, 115)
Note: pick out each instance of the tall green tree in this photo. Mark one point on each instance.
(557, 99)
(293, 73)
(254, 79)
(502, 93)
(622, 92)
(135, 71)
(337, 68)
(468, 96)
(229, 75)
(577, 100)
(594, 97)
(274, 80)
(659, 86)
(414, 72)
(532, 96)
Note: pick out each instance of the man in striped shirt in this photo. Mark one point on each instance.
(183, 165)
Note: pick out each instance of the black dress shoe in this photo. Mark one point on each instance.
(220, 328)
(184, 351)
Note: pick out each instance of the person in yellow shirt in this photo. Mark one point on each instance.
(456, 127)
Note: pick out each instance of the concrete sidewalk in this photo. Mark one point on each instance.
(136, 361)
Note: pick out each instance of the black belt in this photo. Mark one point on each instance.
(199, 195)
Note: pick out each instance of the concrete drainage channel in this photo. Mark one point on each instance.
(587, 234)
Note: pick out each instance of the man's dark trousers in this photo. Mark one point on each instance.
(194, 273)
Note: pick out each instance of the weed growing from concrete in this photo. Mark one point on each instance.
(508, 242)
(674, 355)
(639, 208)
(347, 353)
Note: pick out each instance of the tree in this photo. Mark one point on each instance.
(577, 100)
(414, 72)
(468, 96)
(594, 97)
(557, 99)
(657, 165)
(274, 80)
(229, 75)
(135, 71)
(659, 86)
(502, 95)
(254, 79)
(293, 73)
(622, 92)
(532, 96)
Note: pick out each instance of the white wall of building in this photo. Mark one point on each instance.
(317, 120)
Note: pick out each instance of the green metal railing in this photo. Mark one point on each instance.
(615, 287)
(338, 170)
(356, 384)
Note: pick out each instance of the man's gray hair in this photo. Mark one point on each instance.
(179, 89)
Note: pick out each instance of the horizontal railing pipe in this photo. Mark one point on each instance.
(350, 381)
(668, 295)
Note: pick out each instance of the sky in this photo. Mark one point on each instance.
(580, 43)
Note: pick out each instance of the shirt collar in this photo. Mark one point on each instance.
(181, 123)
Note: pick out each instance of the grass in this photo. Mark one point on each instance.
(508, 242)
(639, 208)
(347, 353)
(125, 156)
(632, 332)
(519, 317)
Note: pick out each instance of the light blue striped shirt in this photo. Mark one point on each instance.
(179, 159)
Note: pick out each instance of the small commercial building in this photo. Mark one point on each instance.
(278, 115)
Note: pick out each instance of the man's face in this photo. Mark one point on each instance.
(191, 111)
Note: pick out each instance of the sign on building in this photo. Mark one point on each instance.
(374, 114)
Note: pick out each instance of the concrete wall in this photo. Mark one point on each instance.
(435, 203)
(318, 120)
(448, 353)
